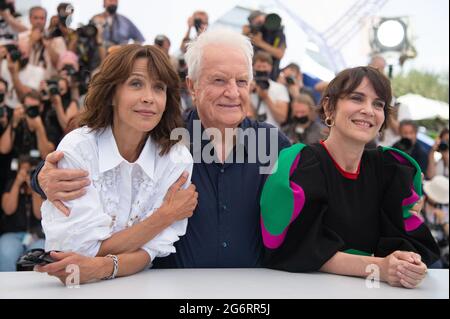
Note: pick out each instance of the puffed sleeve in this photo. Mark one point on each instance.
(88, 225)
(293, 204)
(177, 161)
(402, 189)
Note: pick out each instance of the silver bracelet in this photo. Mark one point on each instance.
(116, 267)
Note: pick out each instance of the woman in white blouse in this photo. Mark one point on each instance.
(140, 198)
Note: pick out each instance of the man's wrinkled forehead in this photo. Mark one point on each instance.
(224, 59)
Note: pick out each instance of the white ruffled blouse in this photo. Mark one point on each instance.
(121, 193)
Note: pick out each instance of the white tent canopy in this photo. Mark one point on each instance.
(416, 107)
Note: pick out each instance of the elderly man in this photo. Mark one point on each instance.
(225, 228)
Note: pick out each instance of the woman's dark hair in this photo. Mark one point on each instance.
(348, 81)
(114, 71)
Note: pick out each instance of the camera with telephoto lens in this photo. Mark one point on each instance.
(70, 70)
(88, 55)
(272, 24)
(53, 87)
(87, 32)
(255, 29)
(261, 117)
(290, 80)
(32, 111)
(14, 52)
(262, 79)
(2, 111)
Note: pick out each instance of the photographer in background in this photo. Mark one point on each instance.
(21, 217)
(10, 22)
(302, 126)
(298, 82)
(60, 26)
(21, 76)
(163, 42)
(6, 114)
(200, 21)
(59, 107)
(266, 34)
(180, 65)
(408, 143)
(115, 28)
(27, 134)
(378, 62)
(90, 51)
(41, 50)
(439, 150)
(269, 100)
(69, 69)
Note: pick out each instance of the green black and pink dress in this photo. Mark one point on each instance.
(312, 209)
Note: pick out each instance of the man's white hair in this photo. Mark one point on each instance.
(219, 36)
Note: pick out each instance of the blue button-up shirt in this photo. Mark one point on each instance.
(224, 231)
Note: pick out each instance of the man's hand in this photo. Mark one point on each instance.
(34, 123)
(35, 36)
(180, 203)
(61, 184)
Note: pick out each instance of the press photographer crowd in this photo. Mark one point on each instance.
(46, 68)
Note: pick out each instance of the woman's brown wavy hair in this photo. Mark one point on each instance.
(115, 70)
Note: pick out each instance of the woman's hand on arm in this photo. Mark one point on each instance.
(178, 204)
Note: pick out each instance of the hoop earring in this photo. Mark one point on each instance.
(329, 122)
